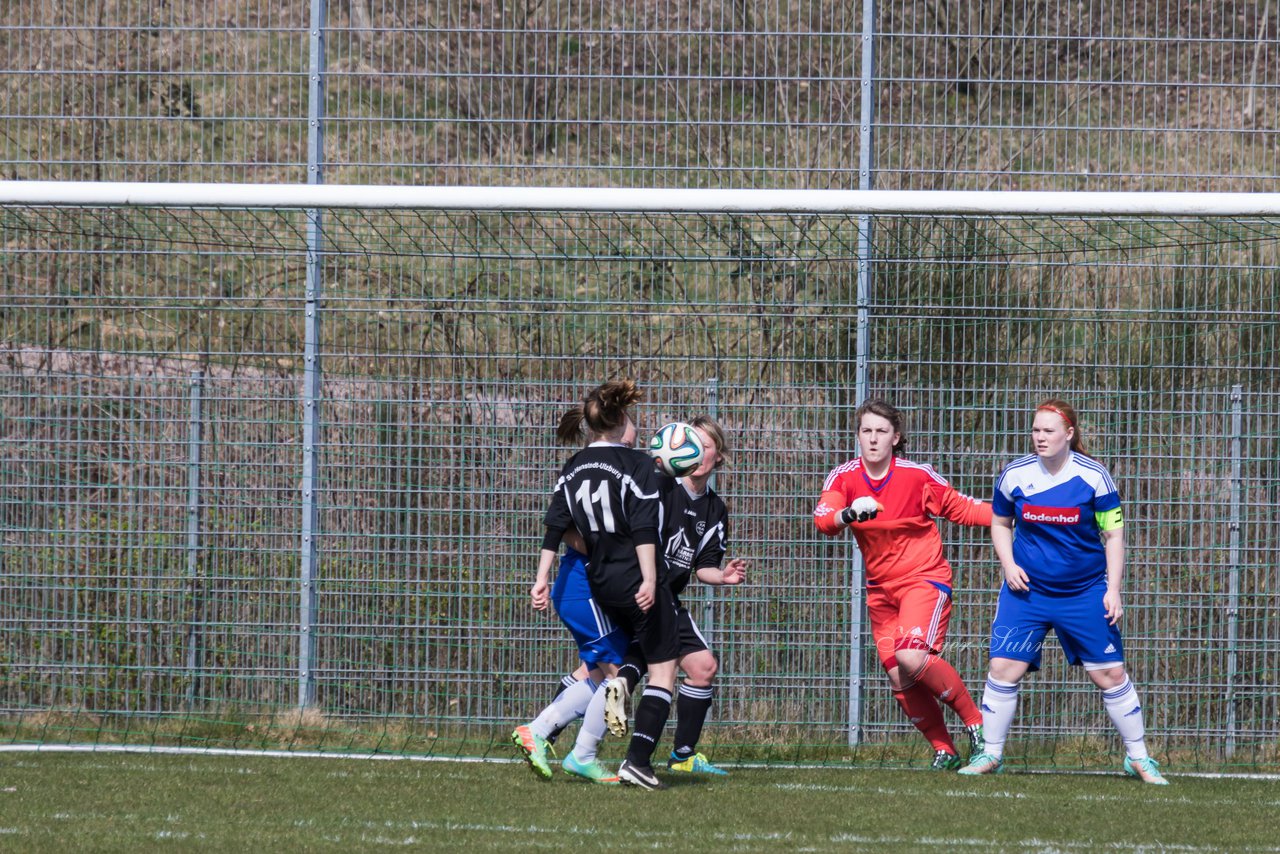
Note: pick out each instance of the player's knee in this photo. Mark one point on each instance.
(1007, 669)
(910, 661)
(700, 669)
(1107, 678)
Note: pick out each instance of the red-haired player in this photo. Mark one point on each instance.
(890, 504)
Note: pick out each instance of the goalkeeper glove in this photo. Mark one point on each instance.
(861, 510)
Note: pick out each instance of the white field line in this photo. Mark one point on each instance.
(404, 832)
(394, 757)
(228, 751)
(386, 832)
(1160, 797)
(1034, 844)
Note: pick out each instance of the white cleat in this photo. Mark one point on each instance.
(616, 700)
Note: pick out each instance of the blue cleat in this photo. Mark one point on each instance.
(695, 764)
(983, 763)
(1147, 770)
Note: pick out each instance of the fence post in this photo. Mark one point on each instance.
(1233, 568)
(195, 442)
(862, 373)
(311, 384)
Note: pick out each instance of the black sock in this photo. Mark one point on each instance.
(565, 682)
(632, 670)
(692, 705)
(651, 717)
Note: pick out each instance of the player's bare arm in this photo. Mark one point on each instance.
(647, 554)
(1002, 540)
(540, 593)
(733, 572)
(1113, 599)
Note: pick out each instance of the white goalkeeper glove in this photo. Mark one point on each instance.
(861, 510)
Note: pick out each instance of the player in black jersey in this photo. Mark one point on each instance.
(601, 647)
(694, 537)
(611, 494)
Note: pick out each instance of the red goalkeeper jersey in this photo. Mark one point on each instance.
(902, 542)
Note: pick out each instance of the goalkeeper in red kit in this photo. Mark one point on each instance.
(890, 504)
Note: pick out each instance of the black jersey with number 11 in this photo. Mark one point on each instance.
(610, 493)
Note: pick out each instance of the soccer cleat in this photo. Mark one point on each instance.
(616, 699)
(977, 743)
(533, 748)
(634, 775)
(945, 760)
(1147, 770)
(983, 763)
(695, 764)
(592, 771)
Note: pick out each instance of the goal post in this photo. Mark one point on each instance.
(630, 199)
(155, 344)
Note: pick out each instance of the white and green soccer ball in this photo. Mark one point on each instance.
(677, 448)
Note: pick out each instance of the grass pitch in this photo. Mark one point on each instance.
(150, 802)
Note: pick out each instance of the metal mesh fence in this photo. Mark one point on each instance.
(153, 416)
(1092, 95)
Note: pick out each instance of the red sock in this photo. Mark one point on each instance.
(942, 681)
(924, 712)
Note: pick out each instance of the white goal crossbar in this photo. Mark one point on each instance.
(636, 200)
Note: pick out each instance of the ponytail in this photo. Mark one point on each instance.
(602, 412)
(570, 429)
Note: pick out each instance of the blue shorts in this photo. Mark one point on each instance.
(597, 637)
(1080, 621)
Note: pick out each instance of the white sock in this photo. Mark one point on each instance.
(1126, 713)
(593, 727)
(999, 702)
(564, 709)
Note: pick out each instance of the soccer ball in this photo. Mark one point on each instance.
(677, 448)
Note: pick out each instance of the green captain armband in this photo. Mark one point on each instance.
(1109, 520)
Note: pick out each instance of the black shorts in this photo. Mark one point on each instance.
(656, 631)
(691, 640)
(687, 633)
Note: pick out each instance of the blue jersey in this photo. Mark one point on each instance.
(1058, 520)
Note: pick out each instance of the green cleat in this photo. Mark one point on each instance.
(695, 764)
(983, 763)
(533, 748)
(945, 760)
(592, 771)
(1147, 770)
(977, 743)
